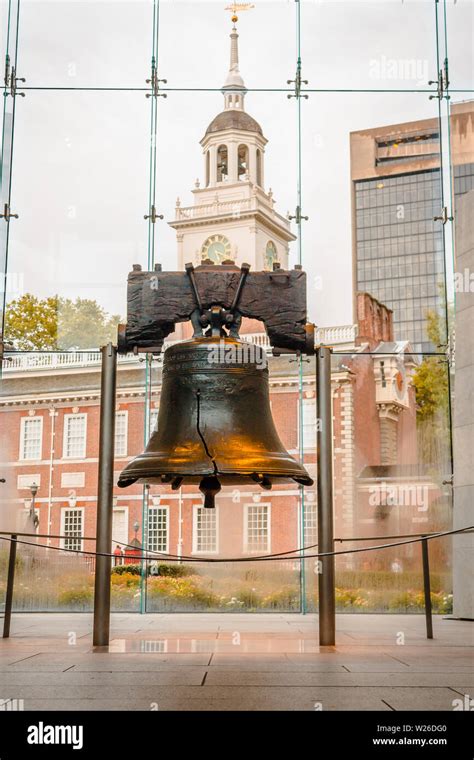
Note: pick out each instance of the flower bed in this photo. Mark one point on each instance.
(224, 588)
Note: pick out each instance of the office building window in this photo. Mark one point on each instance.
(158, 529)
(31, 437)
(257, 528)
(205, 530)
(74, 446)
(121, 431)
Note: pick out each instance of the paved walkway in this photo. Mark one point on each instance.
(236, 662)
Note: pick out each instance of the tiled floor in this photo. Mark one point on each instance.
(236, 662)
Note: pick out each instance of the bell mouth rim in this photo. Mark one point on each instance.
(235, 478)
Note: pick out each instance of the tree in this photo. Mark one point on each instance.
(58, 324)
(431, 382)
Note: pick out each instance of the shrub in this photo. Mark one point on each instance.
(174, 571)
(287, 597)
(184, 590)
(350, 598)
(76, 597)
(441, 603)
(129, 569)
(126, 580)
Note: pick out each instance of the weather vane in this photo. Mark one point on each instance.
(237, 7)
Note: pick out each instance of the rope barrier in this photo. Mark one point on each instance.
(266, 558)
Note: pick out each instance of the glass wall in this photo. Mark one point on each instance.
(348, 127)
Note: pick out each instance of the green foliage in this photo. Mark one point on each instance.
(285, 598)
(4, 558)
(173, 571)
(431, 377)
(414, 601)
(131, 569)
(52, 323)
(387, 580)
(350, 598)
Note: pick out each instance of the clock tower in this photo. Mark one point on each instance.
(233, 217)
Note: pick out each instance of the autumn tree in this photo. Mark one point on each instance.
(58, 324)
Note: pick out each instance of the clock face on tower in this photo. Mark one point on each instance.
(216, 248)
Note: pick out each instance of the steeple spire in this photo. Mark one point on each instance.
(234, 88)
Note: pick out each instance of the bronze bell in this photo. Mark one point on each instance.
(214, 424)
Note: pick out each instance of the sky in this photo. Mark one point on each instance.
(81, 158)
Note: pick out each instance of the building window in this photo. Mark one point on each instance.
(207, 168)
(158, 529)
(309, 423)
(271, 255)
(257, 528)
(222, 163)
(153, 421)
(121, 431)
(72, 528)
(74, 445)
(243, 162)
(310, 522)
(205, 530)
(31, 437)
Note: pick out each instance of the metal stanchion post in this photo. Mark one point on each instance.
(326, 577)
(9, 591)
(105, 495)
(427, 588)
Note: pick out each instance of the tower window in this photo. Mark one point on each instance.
(243, 162)
(271, 255)
(207, 168)
(222, 163)
(259, 167)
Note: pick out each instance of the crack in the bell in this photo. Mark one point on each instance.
(201, 436)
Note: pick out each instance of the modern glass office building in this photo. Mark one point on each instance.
(398, 242)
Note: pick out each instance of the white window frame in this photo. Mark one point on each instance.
(63, 525)
(124, 415)
(196, 507)
(153, 412)
(67, 417)
(124, 510)
(24, 421)
(313, 507)
(165, 508)
(257, 504)
(313, 444)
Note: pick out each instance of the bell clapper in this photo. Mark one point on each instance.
(209, 486)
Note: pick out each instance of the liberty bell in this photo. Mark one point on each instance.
(215, 425)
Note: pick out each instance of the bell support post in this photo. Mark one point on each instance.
(105, 496)
(326, 575)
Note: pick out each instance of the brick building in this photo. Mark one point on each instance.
(49, 418)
